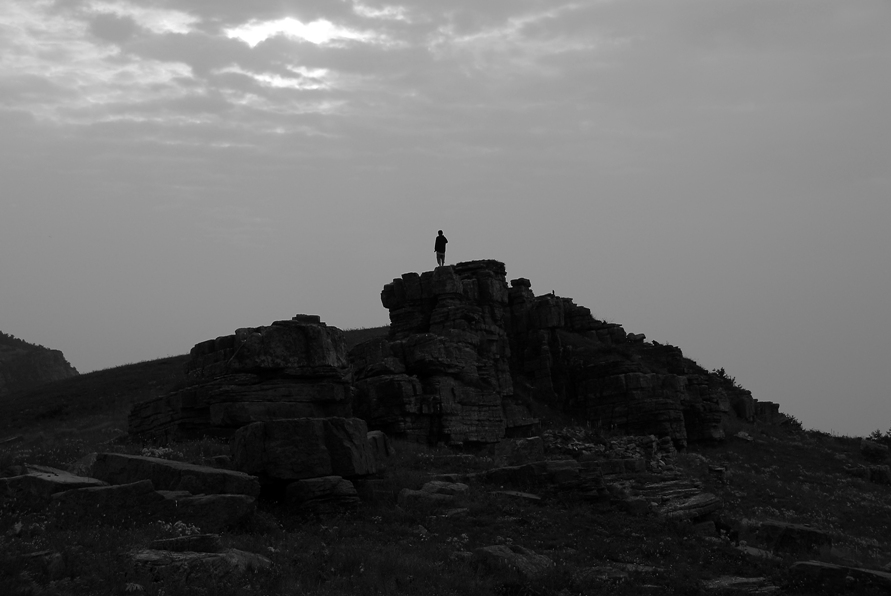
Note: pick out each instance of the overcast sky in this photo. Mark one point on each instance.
(712, 173)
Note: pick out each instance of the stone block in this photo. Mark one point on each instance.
(304, 448)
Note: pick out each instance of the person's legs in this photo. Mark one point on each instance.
(440, 259)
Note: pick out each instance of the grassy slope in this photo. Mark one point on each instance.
(107, 392)
(784, 475)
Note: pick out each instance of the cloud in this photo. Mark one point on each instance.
(320, 32)
(306, 78)
(156, 20)
(386, 12)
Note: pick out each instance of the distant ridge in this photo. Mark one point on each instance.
(25, 365)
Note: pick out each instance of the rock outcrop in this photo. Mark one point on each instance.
(466, 353)
(443, 374)
(290, 369)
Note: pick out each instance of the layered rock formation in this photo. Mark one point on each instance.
(290, 369)
(443, 374)
(466, 351)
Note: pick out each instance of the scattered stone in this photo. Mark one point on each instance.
(744, 436)
(513, 557)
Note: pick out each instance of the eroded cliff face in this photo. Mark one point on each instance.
(466, 352)
(24, 367)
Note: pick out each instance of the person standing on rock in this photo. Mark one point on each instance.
(439, 249)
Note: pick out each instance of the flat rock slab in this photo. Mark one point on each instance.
(118, 468)
(198, 567)
(756, 585)
(43, 482)
(691, 507)
(518, 495)
(138, 502)
(829, 575)
(503, 556)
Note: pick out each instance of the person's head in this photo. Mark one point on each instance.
(440, 232)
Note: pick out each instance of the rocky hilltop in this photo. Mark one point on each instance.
(24, 365)
(468, 357)
(468, 360)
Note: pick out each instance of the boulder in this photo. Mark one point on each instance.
(436, 493)
(325, 494)
(785, 538)
(286, 450)
(119, 468)
(211, 513)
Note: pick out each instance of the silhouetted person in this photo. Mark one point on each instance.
(439, 248)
